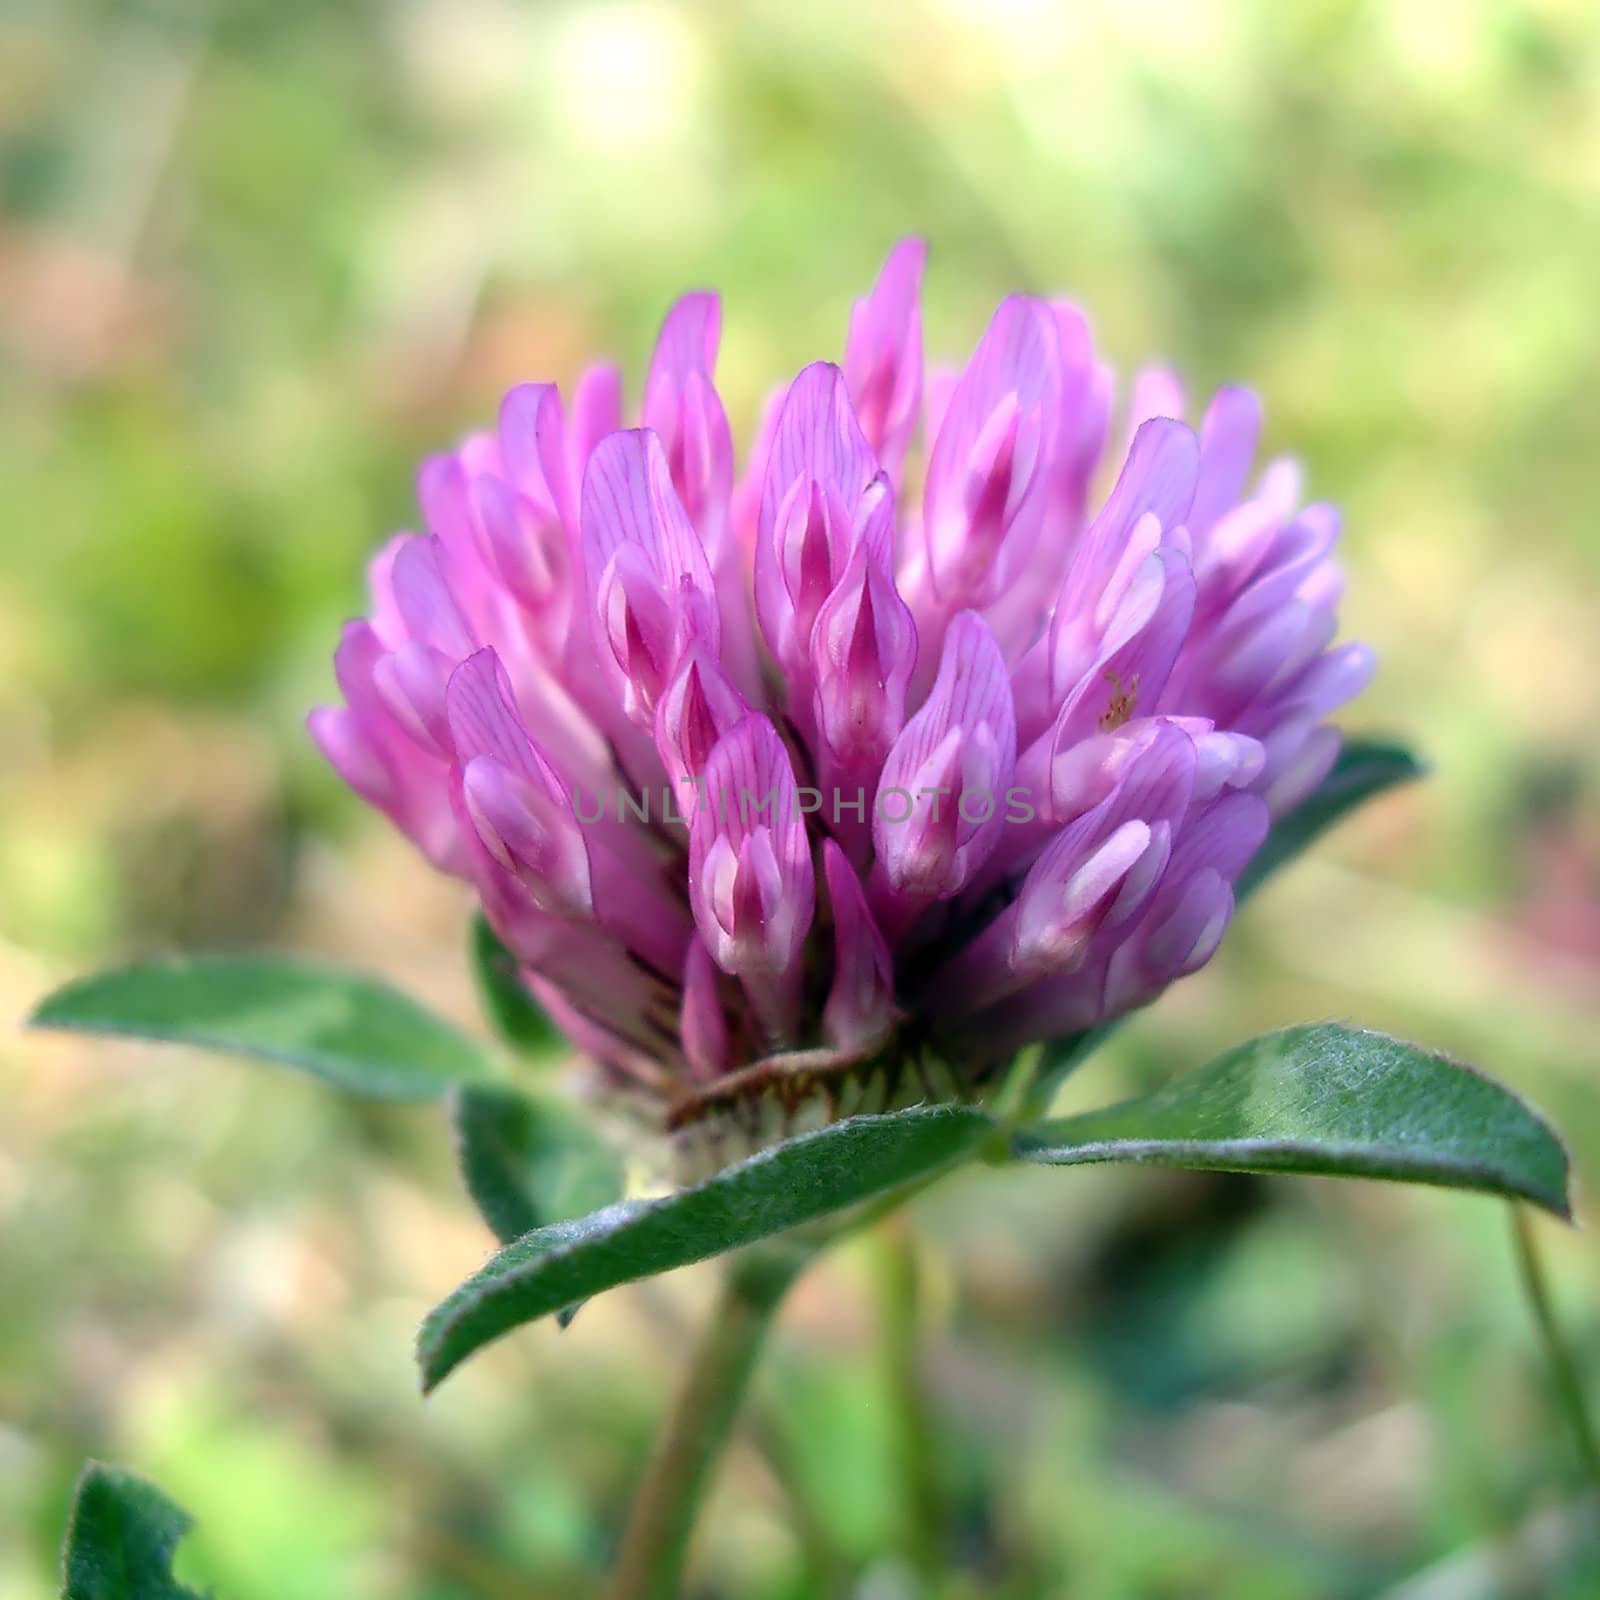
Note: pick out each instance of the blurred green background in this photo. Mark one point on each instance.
(255, 257)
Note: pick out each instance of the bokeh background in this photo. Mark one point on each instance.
(257, 256)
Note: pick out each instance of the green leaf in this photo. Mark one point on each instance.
(121, 1539)
(355, 1032)
(513, 1011)
(528, 1162)
(1365, 768)
(1326, 1100)
(796, 1182)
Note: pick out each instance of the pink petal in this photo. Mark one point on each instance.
(533, 447)
(750, 876)
(702, 1024)
(682, 407)
(648, 576)
(967, 732)
(988, 470)
(860, 1006)
(883, 355)
(1228, 439)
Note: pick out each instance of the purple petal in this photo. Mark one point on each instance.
(524, 546)
(863, 654)
(1156, 480)
(649, 581)
(1111, 665)
(750, 877)
(1085, 416)
(382, 762)
(823, 494)
(988, 471)
(1095, 873)
(512, 794)
(963, 741)
(860, 1007)
(702, 1023)
(446, 508)
(699, 706)
(883, 355)
(425, 601)
(411, 682)
(526, 835)
(340, 736)
(1071, 891)
(596, 411)
(1228, 438)
(1157, 392)
(1189, 914)
(1297, 777)
(533, 446)
(682, 407)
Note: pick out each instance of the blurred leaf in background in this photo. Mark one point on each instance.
(256, 258)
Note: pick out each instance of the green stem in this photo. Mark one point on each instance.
(655, 1540)
(1563, 1369)
(899, 1309)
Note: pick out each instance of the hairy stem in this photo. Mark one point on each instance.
(916, 1456)
(655, 1541)
(1563, 1369)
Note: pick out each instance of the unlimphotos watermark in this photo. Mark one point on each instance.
(891, 804)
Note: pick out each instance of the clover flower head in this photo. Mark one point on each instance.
(824, 787)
